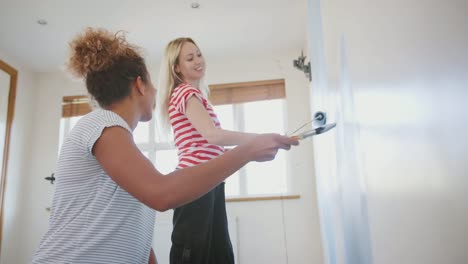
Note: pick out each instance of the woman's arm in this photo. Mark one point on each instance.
(201, 120)
(152, 258)
(132, 171)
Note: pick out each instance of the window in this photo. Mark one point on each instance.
(240, 107)
(264, 177)
(73, 108)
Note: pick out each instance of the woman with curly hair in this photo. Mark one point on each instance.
(106, 189)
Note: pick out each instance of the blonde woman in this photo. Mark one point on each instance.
(106, 190)
(200, 229)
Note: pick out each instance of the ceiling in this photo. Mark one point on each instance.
(223, 29)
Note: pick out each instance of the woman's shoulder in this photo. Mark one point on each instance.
(184, 91)
(100, 118)
(96, 116)
(90, 127)
(183, 88)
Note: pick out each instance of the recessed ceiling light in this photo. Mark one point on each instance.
(195, 5)
(42, 22)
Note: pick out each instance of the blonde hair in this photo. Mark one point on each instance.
(170, 79)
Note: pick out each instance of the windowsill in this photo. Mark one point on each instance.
(233, 199)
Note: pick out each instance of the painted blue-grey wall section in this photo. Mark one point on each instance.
(404, 65)
(342, 198)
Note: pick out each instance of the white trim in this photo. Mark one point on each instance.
(239, 125)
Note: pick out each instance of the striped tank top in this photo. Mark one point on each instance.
(192, 148)
(92, 219)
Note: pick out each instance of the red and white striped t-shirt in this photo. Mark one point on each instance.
(192, 148)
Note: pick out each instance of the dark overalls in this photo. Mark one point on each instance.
(200, 234)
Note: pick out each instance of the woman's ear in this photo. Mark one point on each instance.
(140, 85)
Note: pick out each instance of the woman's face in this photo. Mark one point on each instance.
(191, 64)
(150, 100)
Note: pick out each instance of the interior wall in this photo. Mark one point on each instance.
(406, 65)
(20, 140)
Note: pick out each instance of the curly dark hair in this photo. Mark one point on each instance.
(107, 62)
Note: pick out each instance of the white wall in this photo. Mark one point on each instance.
(407, 63)
(51, 87)
(20, 140)
(261, 230)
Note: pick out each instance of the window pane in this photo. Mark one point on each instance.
(74, 120)
(264, 116)
(267, 177)
(146, 153)
(66, 125)
(225, 116)
(232, 185)
(141, 133)
(64, 130)
(161, 136)
(166, 160)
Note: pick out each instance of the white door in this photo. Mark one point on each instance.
(392, 177)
